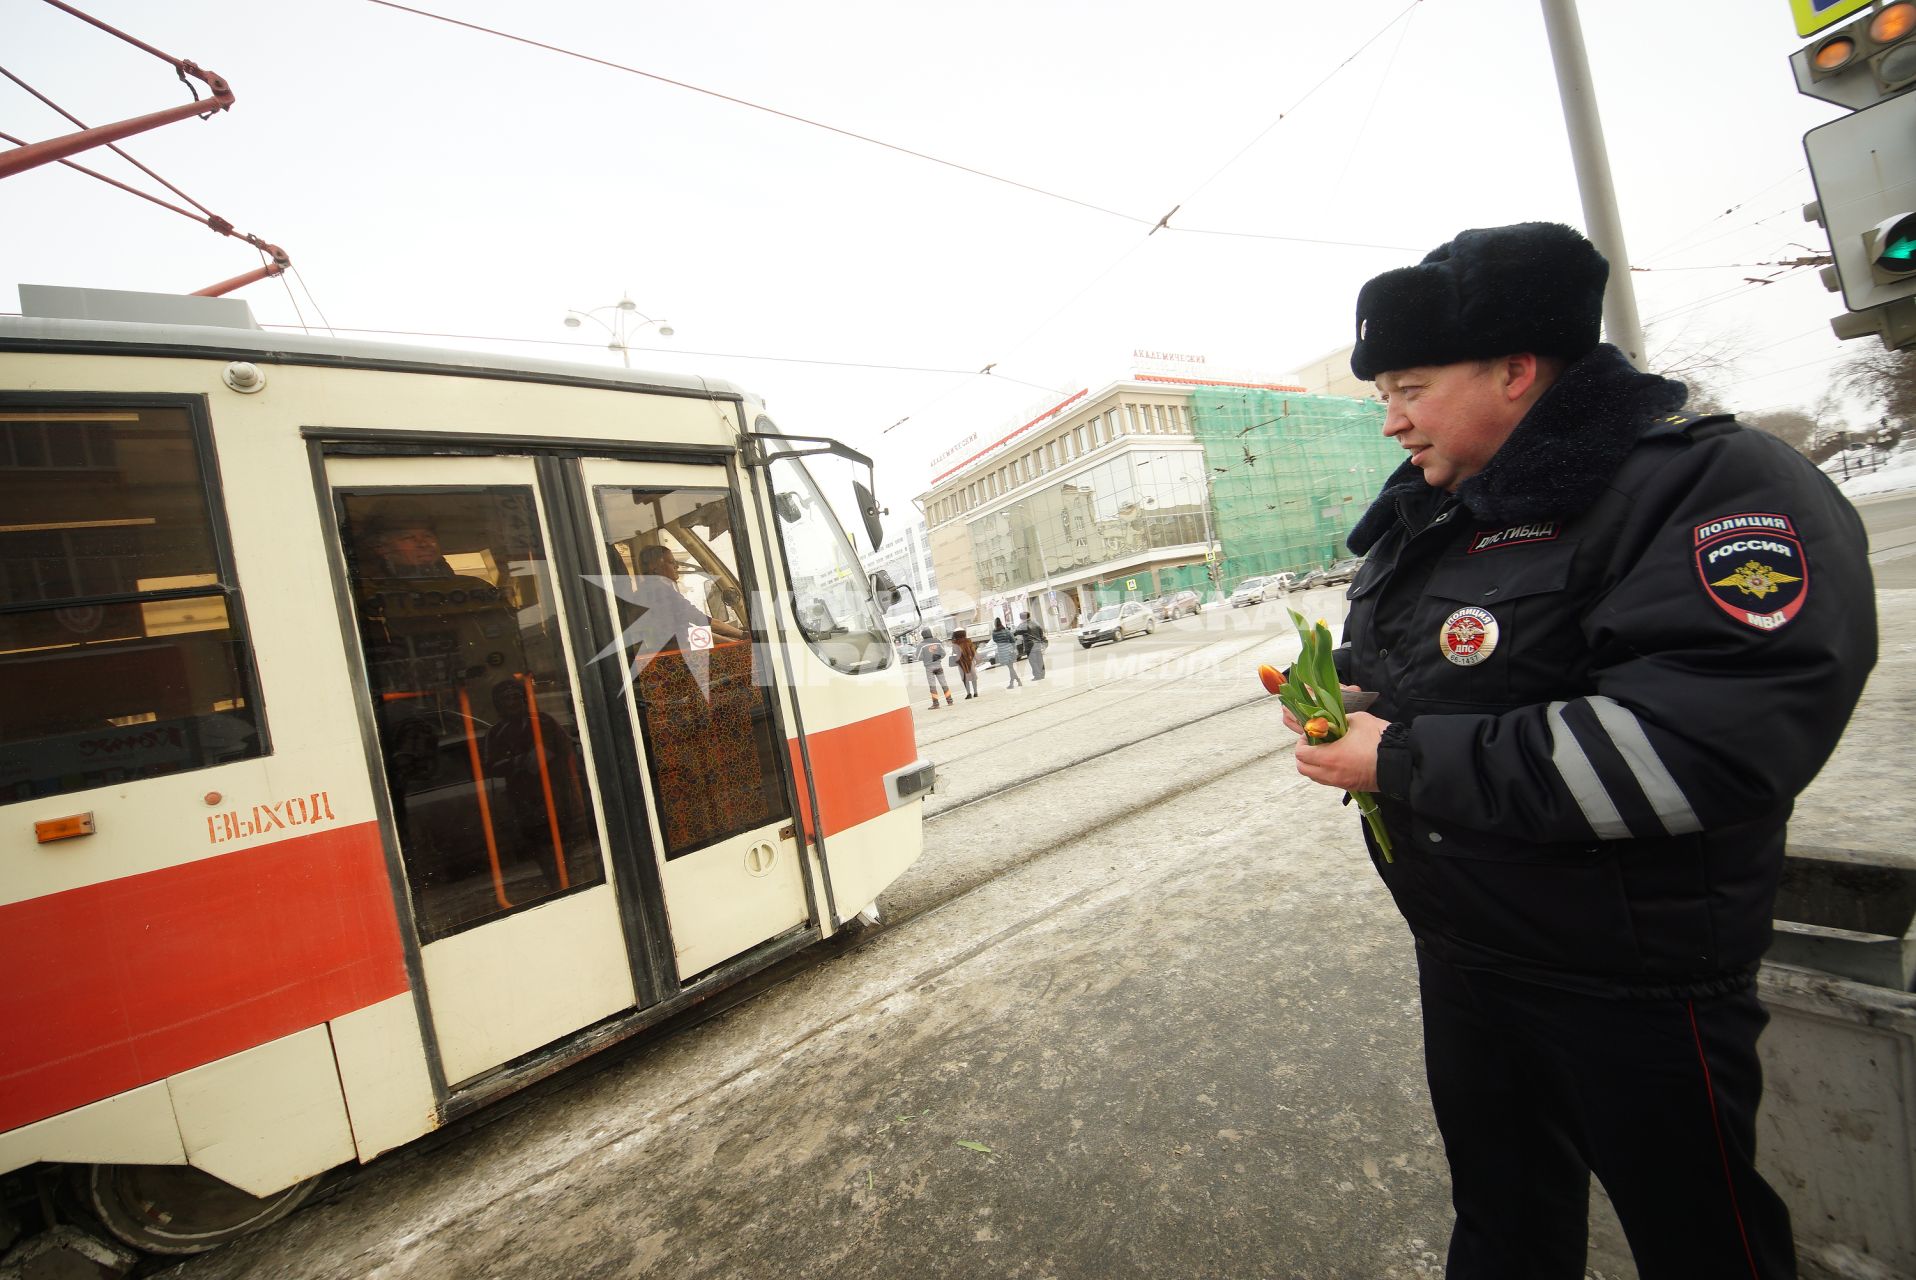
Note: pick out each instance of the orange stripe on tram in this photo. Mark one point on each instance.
(849, 765)
(147, 976)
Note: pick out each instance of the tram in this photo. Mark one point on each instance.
(383, 729)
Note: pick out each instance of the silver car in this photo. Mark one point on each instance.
(1116, 621)
(1249, 591)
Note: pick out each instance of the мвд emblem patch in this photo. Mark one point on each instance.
(1753, 567)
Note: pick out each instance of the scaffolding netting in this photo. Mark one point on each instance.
(1290, 475)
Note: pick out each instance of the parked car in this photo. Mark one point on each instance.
(1343, 570)
(1177, 605)
(907, 648)
(1314, 578)
(1116, 621)
(1249, 591)
(1279, 582)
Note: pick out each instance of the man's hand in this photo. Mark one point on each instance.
(1350, 763)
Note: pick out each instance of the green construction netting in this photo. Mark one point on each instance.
(1290, 475)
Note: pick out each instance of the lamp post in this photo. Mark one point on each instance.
(627, 322)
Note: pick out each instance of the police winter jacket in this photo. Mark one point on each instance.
(1612, 659)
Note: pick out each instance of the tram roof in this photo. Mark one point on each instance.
(169, 337)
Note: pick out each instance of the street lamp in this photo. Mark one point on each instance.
(624, 325)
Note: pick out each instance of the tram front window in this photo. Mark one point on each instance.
(687, 642)
(473, 702)
(830, 597)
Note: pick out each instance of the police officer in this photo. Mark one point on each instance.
(1612, 641)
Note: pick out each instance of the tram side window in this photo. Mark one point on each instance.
(830, 596)
(703, 705)
(120, 650)
(473, 700)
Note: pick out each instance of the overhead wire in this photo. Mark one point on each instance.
(1710, 222)
(1722, 296)
(922, 155)
(1163, 223)
(287, 285)
(1308, 94)
(774, 111)
(1377, 95)
(307, 290)
(678, 351)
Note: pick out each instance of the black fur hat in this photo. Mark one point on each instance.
(1495, 291)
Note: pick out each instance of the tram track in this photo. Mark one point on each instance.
(1100, 685)
(1105, 753)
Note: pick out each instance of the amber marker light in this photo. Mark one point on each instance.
(1892, 23)
(67, 828)
(1833, 53)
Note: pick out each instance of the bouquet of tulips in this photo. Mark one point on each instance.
(1314, 697)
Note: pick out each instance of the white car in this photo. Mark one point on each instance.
(1249, 591)
(1116, 621)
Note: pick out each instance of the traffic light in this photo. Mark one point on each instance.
(1863, 166)
(1891, 246)
(1863, 62)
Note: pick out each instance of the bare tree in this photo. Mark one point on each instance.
(1884, 384)
(1793, 427)
(1708, 362)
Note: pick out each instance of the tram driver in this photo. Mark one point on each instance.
(668, 614)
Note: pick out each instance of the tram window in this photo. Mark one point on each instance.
(472, 700)
(704, 711)
(120, 648)
(830, 597)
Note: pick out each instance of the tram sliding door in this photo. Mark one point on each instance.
(696, 694)
(475, 697)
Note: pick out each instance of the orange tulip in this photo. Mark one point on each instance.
(1273, 678)
(1316, 727)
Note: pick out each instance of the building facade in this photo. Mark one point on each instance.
(1146, 487)
(906, 556)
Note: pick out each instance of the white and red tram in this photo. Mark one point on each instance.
(381, 728)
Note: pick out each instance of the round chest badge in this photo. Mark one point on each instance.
(1468, 636)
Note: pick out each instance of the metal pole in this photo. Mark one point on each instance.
(1620, 323)
(1211, 566)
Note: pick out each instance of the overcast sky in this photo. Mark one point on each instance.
(432, 179)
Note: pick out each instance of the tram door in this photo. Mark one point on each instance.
(474, 685)
(695, 691)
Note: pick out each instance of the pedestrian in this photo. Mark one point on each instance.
(1005, 653)
(931, 656)
(1035, 643)
(1602, 677)
(965, 653)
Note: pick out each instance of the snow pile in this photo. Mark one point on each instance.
(1900, 477)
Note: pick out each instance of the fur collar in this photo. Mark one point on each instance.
(1559, 458)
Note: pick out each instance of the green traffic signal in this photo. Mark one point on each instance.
(1893, 241)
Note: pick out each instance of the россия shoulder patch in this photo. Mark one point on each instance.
(1753, 567)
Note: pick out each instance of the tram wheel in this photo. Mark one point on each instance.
(178, 1209)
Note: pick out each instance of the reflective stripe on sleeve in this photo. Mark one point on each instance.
(1633, 744)
(1581, 777)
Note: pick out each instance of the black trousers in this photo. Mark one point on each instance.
(1536, 1088)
